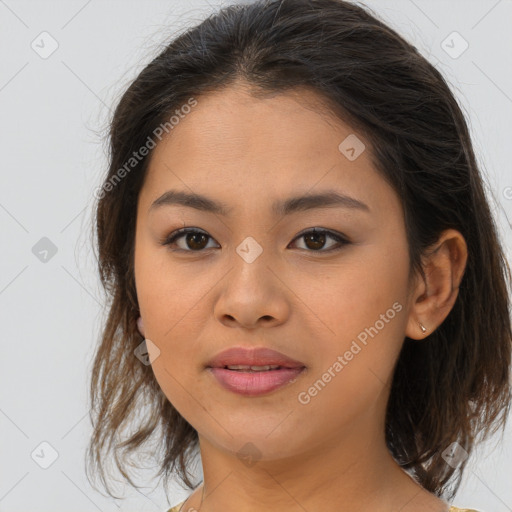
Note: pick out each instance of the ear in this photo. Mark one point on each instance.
(140, 326)
(434, 294)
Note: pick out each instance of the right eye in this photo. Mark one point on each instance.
(194, 240)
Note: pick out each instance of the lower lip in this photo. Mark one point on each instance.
(254, 383)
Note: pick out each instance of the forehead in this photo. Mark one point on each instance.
(238, 122)
(234, 142)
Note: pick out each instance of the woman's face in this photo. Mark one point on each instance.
(255, 275)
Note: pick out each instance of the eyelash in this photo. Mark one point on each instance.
(175, 235)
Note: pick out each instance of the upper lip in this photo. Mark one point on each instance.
(254, 356)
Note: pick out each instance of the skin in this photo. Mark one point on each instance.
(329, 454)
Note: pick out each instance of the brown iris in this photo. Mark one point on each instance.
(194, 240)
(318, 240)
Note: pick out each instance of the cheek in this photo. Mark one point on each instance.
(168, 303)
(361, 315)
(166, 294)
(355, 366)
(352, 296)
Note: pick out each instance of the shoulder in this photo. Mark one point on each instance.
(177, 507)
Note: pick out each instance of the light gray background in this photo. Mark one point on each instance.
(53, 113)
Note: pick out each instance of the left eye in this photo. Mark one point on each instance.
(317, 239)
(195, 240)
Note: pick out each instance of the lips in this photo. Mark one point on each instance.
(253, 357)
(254, 371)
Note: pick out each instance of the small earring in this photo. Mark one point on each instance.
(423, 329)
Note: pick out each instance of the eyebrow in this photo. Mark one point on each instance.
(327, 199)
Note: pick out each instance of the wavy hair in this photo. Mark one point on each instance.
(452, 387)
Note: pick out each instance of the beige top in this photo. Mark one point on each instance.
(452, 509)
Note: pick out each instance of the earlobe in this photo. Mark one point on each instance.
(416, 330)
(140, 326)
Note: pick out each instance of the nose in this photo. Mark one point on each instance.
(252, 295)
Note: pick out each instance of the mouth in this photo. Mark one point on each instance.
(255, 380)
(253, 371)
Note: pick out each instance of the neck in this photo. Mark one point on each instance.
(353, 472)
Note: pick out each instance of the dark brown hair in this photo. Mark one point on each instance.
(452, 387)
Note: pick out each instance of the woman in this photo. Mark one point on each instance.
(294, 227)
